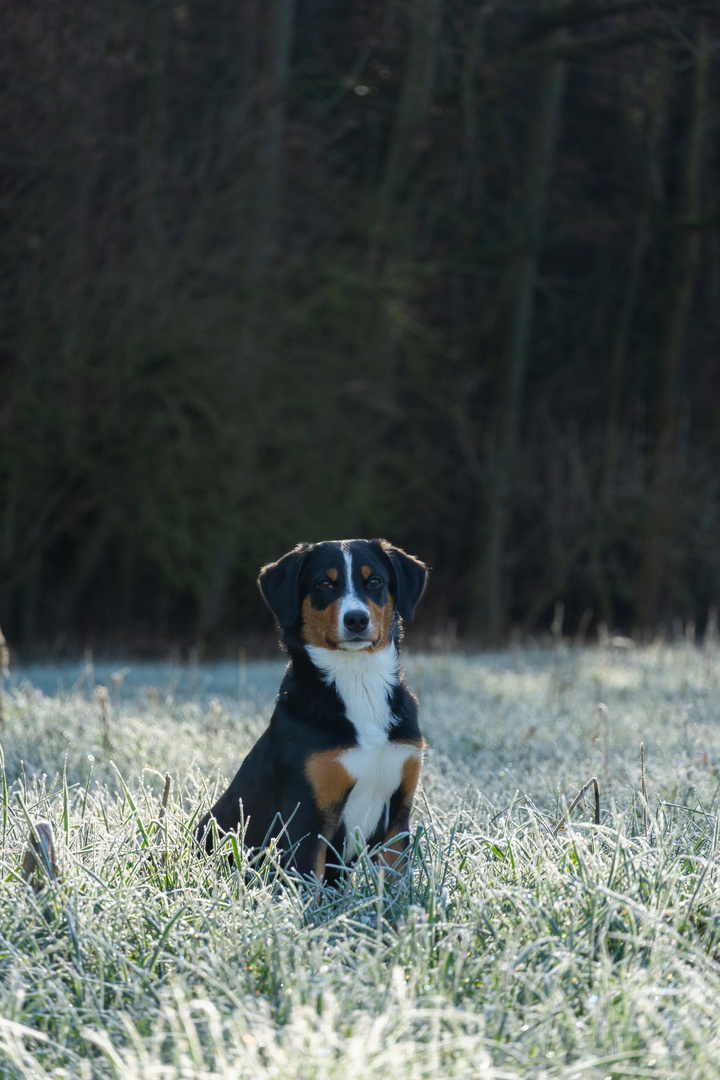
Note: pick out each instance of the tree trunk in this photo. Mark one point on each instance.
(413, 108)
(685, 266)
(278, 52)
(513, 359)
(392, 234)
(277, 35)
(153, 128)
(602, 527)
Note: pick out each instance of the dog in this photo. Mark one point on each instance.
(335, 771)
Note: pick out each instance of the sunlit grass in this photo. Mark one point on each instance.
(514, 948)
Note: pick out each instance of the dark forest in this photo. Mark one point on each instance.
(442, 271)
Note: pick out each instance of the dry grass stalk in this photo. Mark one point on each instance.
(603, 716)
(710, 641)
(642, 788)
(163, 806)
(165, 795)
(102, 695)
(592, 782)
(585, 620)
(4, 673)
(689, 726)
(39, 859)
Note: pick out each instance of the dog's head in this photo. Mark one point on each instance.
(343, 594)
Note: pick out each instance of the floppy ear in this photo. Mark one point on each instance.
(410, 577)
(280, 585)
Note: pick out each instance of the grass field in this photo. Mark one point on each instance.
(524, 942)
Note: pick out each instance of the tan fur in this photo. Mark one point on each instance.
(381, 623)
(320, 628)
(392, 852)
(394, 848)
(329, 779)
(411, 774)
(320, 861)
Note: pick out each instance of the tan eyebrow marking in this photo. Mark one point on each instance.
(332, 574)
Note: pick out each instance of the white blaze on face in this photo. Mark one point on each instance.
(350, 601)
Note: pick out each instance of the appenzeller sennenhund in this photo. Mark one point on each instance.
(336, 769)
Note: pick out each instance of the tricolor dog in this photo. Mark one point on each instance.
(337, 767)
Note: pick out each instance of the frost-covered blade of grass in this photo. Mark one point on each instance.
(512, 949)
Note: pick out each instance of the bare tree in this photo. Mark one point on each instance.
(684, 270)
(513, 358)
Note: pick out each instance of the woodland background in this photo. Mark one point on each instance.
(273, 270)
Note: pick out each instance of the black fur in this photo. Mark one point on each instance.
(271, 793)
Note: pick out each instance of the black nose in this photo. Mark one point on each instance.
(356, 621)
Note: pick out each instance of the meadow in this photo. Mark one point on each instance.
(524, 941)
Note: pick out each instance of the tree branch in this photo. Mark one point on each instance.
(579, 12)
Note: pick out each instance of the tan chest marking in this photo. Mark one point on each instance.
(329, 779)
(379, 772)
(411, 771)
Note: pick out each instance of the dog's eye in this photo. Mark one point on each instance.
(374, 581)
(324, 583)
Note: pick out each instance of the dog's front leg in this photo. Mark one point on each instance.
(309, 857)
(396, 839)
(393, 851)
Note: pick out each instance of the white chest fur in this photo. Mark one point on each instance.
(363, 681)
(378, 773)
